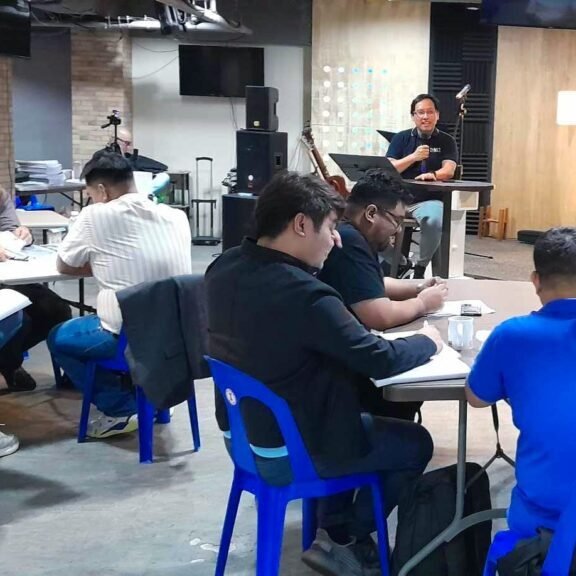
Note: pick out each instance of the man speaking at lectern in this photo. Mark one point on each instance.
(425, 153)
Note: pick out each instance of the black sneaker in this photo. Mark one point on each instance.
(331, 559)
(20, 381)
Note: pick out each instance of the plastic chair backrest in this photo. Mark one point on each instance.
(562, 548)
(235, 386)
(118, 363)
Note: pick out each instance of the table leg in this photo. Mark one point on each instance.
(455, 526)
(81, 296)
(444, 250)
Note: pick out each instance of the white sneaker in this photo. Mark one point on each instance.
(8, 444)
(105, 426)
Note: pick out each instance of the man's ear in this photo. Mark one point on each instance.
(535, 278)
(299, 224)
(370, 213)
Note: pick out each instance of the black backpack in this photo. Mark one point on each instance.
(427, 508)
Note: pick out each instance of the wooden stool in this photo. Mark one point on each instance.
(402, 242)
(486, 220)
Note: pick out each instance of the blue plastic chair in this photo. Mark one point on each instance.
(306, 485)
(32, 204)
(560, 553)
(146, 412)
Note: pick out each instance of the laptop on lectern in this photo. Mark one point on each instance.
(355, 166)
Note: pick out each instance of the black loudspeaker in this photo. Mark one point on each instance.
(261, 108)
(260, 155)
(237, 218)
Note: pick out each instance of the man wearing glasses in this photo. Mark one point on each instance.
(375, 210)
(425, 153)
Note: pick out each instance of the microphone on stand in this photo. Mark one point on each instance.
(463, 92)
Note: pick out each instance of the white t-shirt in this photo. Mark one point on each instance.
(127, 241)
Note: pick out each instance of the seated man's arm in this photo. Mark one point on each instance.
(74, 251)
(332, 330)
(383, 313)
(486, 384)
(399, 289)
(447, 170)
(63, 268)
(397, 157)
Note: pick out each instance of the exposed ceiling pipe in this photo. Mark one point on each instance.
(207, 15)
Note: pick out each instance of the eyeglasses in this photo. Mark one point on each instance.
(393, 218)
(127, 142)
(422, 113)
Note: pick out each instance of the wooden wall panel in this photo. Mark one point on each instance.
(369, 60)
(534, 158)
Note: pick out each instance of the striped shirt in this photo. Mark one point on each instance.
(127, 241)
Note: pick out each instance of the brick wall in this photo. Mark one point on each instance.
(6, 146)
(101, 82)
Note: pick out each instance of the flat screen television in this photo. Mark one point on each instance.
(15, 28)
(219, 70)
(533, 13)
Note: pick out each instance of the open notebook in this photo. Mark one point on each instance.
(11, 301)
(444, 366)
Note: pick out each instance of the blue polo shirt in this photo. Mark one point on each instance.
(531, 360)
(442, 147)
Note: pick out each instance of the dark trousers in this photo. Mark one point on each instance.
(400, 453)
(46, 311)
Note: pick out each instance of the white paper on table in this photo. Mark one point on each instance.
(444, 366)
(11, 301)
(453, 308)
(11, 243)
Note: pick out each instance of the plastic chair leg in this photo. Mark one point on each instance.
(381, 528)
(309, 523)
(271, 514)
(228, 528)
(57, 374)
(163, 417)
(146, 414)
(86, 400)
(193, 413)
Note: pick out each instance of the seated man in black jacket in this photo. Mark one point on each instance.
(270, 317)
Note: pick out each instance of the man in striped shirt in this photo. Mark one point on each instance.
(122, 239)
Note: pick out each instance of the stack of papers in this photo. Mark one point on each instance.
(444, 366)
(453, 308)
(47, 171)
(11, 301)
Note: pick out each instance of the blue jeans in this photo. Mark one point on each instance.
(429, 216)
(76, 341)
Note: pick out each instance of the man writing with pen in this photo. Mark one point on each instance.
(428, 154)
(46, 311)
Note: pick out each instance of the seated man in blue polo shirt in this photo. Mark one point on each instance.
(425, 153)
(531, 361)
(374, 211)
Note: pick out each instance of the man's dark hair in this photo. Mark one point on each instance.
(421, 97)
(555, 254)
(380, 188)
(107, 168)
(289, 194)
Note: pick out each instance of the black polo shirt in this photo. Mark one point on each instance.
(442, 147)
(354, 270)
(269, 316)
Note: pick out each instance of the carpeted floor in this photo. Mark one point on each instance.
(509, 259)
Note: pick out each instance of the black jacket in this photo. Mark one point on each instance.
(166, 328)
(270, 317)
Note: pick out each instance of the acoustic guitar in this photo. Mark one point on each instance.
(337, 182)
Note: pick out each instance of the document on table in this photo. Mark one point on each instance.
(12, 245)
(453, 307)
(444, 366)
(11, 301)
